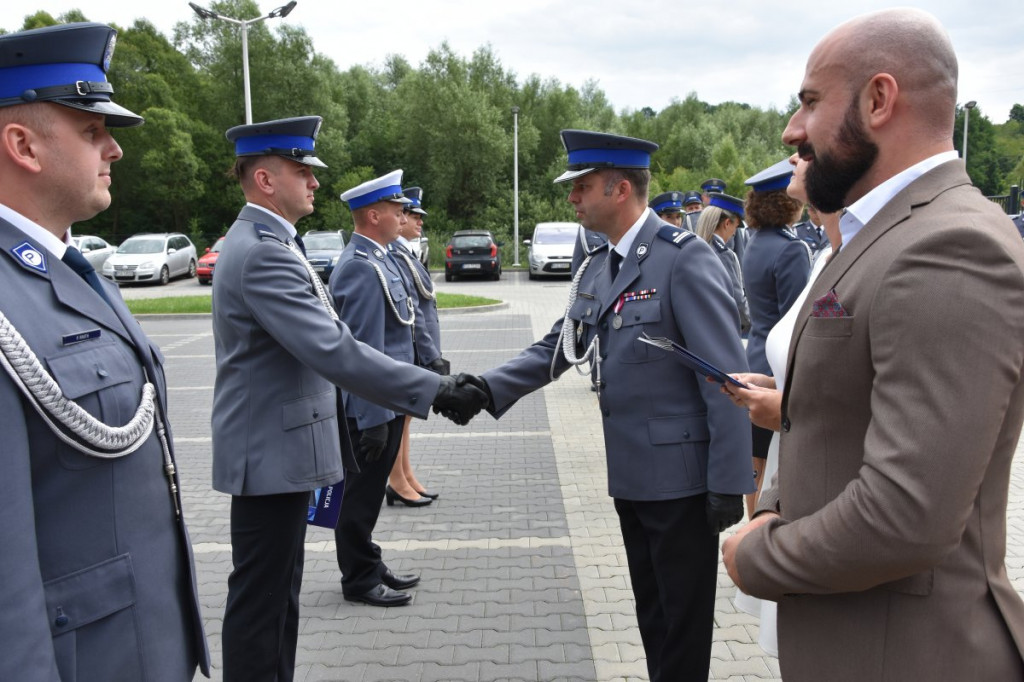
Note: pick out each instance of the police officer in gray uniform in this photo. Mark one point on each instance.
(669, 207)
(677, 450)
(811, 232)
(724, 214)
(281, 350)
(98, 579)
(370, 296)
(776, 266)
(421, 288)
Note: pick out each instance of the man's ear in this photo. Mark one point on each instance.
(19, 143)
(263, 180)
(880, 95)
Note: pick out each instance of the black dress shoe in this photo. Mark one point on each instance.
(399, 582)
(392, 496)
(381, 595)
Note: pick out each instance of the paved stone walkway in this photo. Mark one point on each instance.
(524, 577)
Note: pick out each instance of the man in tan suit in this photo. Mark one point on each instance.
(884, 536)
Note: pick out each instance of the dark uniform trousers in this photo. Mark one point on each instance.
(268, 534)
(673, 566)
(358, 555)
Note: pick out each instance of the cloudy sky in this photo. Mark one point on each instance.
(641, 54)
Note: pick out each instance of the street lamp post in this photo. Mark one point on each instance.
(279, 13)
(967, 119)
(515, 179)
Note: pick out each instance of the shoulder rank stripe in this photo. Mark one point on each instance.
(675, 235)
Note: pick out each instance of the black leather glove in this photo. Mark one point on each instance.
(372, 442)
(723, 510)
(441, 366)
(460, 398)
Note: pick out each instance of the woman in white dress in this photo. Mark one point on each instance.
(764, 401)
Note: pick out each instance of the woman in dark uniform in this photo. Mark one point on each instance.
(718, 223)
(776, 265)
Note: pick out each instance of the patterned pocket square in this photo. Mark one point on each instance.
(828, 306)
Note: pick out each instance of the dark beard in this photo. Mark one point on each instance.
(832, 175)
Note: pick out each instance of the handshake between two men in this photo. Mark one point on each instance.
(461, 398)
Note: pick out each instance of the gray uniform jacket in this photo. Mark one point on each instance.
(364, 307)
(808, 233)
(668, 433)
(776, 266)
(732, 266)
(279, 357)
(98, 579)
(428, 326)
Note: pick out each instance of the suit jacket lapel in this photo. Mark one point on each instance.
(920, 192)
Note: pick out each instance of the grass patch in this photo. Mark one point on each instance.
(201, 304)
(170, 305)
(462, 300)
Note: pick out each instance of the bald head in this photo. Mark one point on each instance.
(908, 44)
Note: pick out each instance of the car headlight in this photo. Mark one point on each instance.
(334, 261)
(147, 265)
(108, 266)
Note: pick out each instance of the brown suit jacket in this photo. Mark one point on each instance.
(900, 420)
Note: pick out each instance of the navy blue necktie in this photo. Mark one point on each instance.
(74, 259)
(615, 259)
(298, 242)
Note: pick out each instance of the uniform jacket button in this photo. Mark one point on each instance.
(785, 424)
(604, 325)
(413, 400)
(102, 373)
(316, 413)
(686, 435)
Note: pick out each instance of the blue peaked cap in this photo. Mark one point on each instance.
(415, 195)
(292, 138)
(667, 202)
(713, 185)
(727, 203)
(65, 64)
(774, 177)
(590, 151)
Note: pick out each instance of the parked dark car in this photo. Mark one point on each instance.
(472, 252)
(323, 248)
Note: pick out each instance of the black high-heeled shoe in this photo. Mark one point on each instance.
(391, 496)
(433, 496)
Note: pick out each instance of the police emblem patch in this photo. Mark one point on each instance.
(378, 253)
(30, 256)
(641, 250)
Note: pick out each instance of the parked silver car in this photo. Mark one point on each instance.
(152, 258)
(551, 249)
(95, 250)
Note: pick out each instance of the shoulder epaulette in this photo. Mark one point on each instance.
(789, 234)
(360, 253)
(675, 235)
(264, 232)
(719, 245)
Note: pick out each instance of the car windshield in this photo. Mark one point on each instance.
(141, 246)
(475, 242)
(558, 235)
(216, 246)
(323, 242)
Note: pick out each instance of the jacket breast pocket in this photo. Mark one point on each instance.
(829, 327)
(92, 622)
(680, 446)
(100, 379)
(310, 424)
(638, 316)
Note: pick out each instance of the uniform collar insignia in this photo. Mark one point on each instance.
(30, 256)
